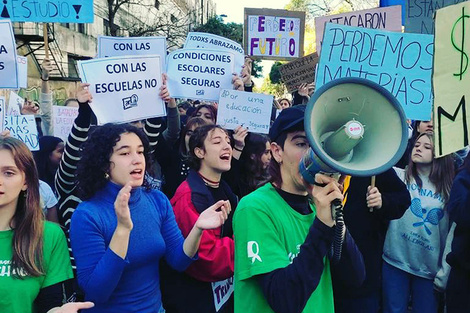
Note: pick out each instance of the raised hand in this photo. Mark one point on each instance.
(84, 95)
(46, 68)
(237, 82)
(29, 107)
(164, 93)
(214, 216)
(121, 207)
(239, 136)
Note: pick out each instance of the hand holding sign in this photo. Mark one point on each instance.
(84, 95)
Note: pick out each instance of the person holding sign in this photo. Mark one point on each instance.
(123, 228)
(34, 260)
(207, 285)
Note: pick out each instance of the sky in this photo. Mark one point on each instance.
(234, 9)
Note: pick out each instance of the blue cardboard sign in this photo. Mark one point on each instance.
(399, 62)
(48, 11)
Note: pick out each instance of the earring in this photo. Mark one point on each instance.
(106, 176)
(25, 193)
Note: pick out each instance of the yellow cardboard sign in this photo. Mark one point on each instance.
(451, 78)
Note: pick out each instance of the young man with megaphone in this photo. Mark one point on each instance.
(284, 232)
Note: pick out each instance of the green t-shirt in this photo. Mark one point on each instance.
(18, 295)
(268, 235)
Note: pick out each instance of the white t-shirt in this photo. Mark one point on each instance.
(48, 199)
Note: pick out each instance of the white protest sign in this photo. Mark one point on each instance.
(2, 112)
(119, 46)
(62, 119)
(124, 89)
(249, 109)
(14, 104)
(222, 290)
(199, 74)
(22, 63)
(387, 18)
(23, 127)
(8, 69)
(207, 41)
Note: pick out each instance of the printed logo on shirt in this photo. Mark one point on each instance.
(428, 218)
(253, 251)
(5, 269)
(293, 255)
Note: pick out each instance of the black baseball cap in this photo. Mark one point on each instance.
(288, 119)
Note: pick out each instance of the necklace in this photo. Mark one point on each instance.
(208, 182)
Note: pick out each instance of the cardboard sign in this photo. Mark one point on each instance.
(451, 79)
(207, 41)
(22, 63)
(124, 89)
(48, 11)
(274, 34)
(2, 112)
(15, 103)
(399, 62)
(23, 127)
(8, 68)
(299, 71)
(221, 291)
(388, 18)
(419, 14)
(120, 46)
(199, 74)
(249, 109)
(62, 119)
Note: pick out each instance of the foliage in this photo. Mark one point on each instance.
(278, 90)
(275, 74)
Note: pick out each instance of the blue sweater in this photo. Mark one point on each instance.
(131, 285)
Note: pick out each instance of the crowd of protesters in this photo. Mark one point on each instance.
(177, 214)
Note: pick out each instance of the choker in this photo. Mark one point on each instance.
(208, 182)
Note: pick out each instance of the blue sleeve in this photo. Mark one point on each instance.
(174, 240)
(288, 289)
(459, 200)
(350, 270)
(99, 269)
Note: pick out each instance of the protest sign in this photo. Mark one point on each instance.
(207, 41)
(120, 46)
(274, 34)
(399, 62)
(299, 71)
(419, 14)
(15, 103)
(2, 112)
(388, 18)
(199, 74)
(125, 88)
(23, 127)
(451, 79)
(22, 63)
(249, 109)
(8, 68)
(62, 119)
(48, 11)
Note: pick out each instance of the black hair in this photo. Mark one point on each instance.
(253, 173)
(189, 124)
(197, 141)
(96, 152)
(46, 170)
(212, 109)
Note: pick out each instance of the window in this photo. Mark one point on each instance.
(173, 19)
(82, 28)
(157, 4)
(106, 28)
(67, 25)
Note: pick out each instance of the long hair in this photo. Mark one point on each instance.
(96, 152)
(28, 220)
(253, 173)
(442, 171)
(46, 169)
(189, 124)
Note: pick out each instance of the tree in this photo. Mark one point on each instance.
(233, 31)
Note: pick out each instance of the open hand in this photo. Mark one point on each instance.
(121, 207)
(29, 107)
(214, 216)
(237, 83)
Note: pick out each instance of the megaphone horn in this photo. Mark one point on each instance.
(354, 127)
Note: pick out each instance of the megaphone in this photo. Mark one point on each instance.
(354, 127)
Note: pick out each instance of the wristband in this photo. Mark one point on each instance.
(239, 150)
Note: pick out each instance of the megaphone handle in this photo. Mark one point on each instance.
(337, 213)
(372, 185)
